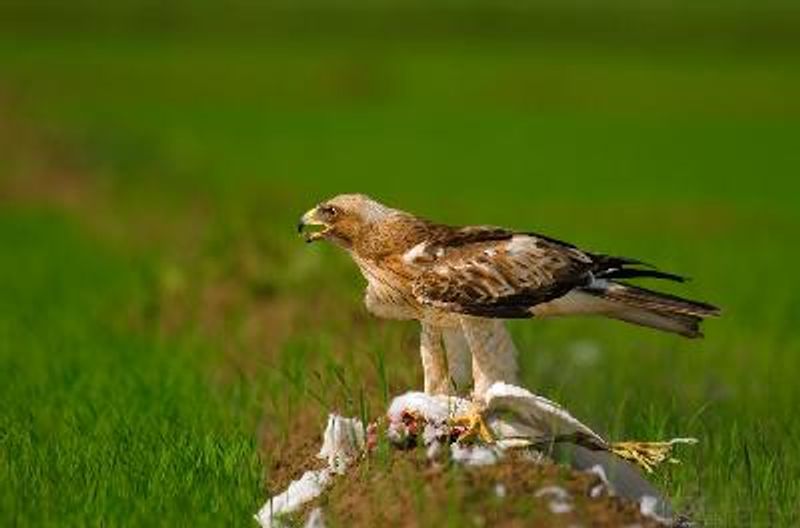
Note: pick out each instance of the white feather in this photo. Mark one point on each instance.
(410, 256)
(518, 244)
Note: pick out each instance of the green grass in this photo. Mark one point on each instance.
(98, 424)
(146, 375)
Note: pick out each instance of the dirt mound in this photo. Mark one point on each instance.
(406, 489)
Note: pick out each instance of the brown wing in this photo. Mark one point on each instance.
(492, 272)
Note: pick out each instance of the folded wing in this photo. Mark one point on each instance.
(489, 272)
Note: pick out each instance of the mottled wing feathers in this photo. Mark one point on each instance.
(446, 237)
(492, 272)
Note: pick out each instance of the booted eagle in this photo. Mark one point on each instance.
(460, 283)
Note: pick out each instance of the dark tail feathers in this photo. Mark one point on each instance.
(653, 309)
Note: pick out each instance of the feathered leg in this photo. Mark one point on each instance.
(459, 359)
(434, 361)
(494, 356)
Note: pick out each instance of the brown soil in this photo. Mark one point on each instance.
(406, 490)
(290, 461)
(38, 167)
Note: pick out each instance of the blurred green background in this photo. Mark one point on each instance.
(165, 338)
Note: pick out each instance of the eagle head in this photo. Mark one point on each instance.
(342, 219)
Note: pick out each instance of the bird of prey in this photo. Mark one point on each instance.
(460, 283)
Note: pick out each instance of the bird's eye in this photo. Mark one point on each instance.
(330, 210)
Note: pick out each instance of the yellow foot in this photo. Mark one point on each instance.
(648, 455)
(474, 426)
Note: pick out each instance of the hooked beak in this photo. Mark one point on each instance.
(311, 218)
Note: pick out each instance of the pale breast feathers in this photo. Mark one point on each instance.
(493, 272)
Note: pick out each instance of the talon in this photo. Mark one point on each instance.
(474, 426)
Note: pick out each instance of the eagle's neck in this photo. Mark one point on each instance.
(393, 235)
